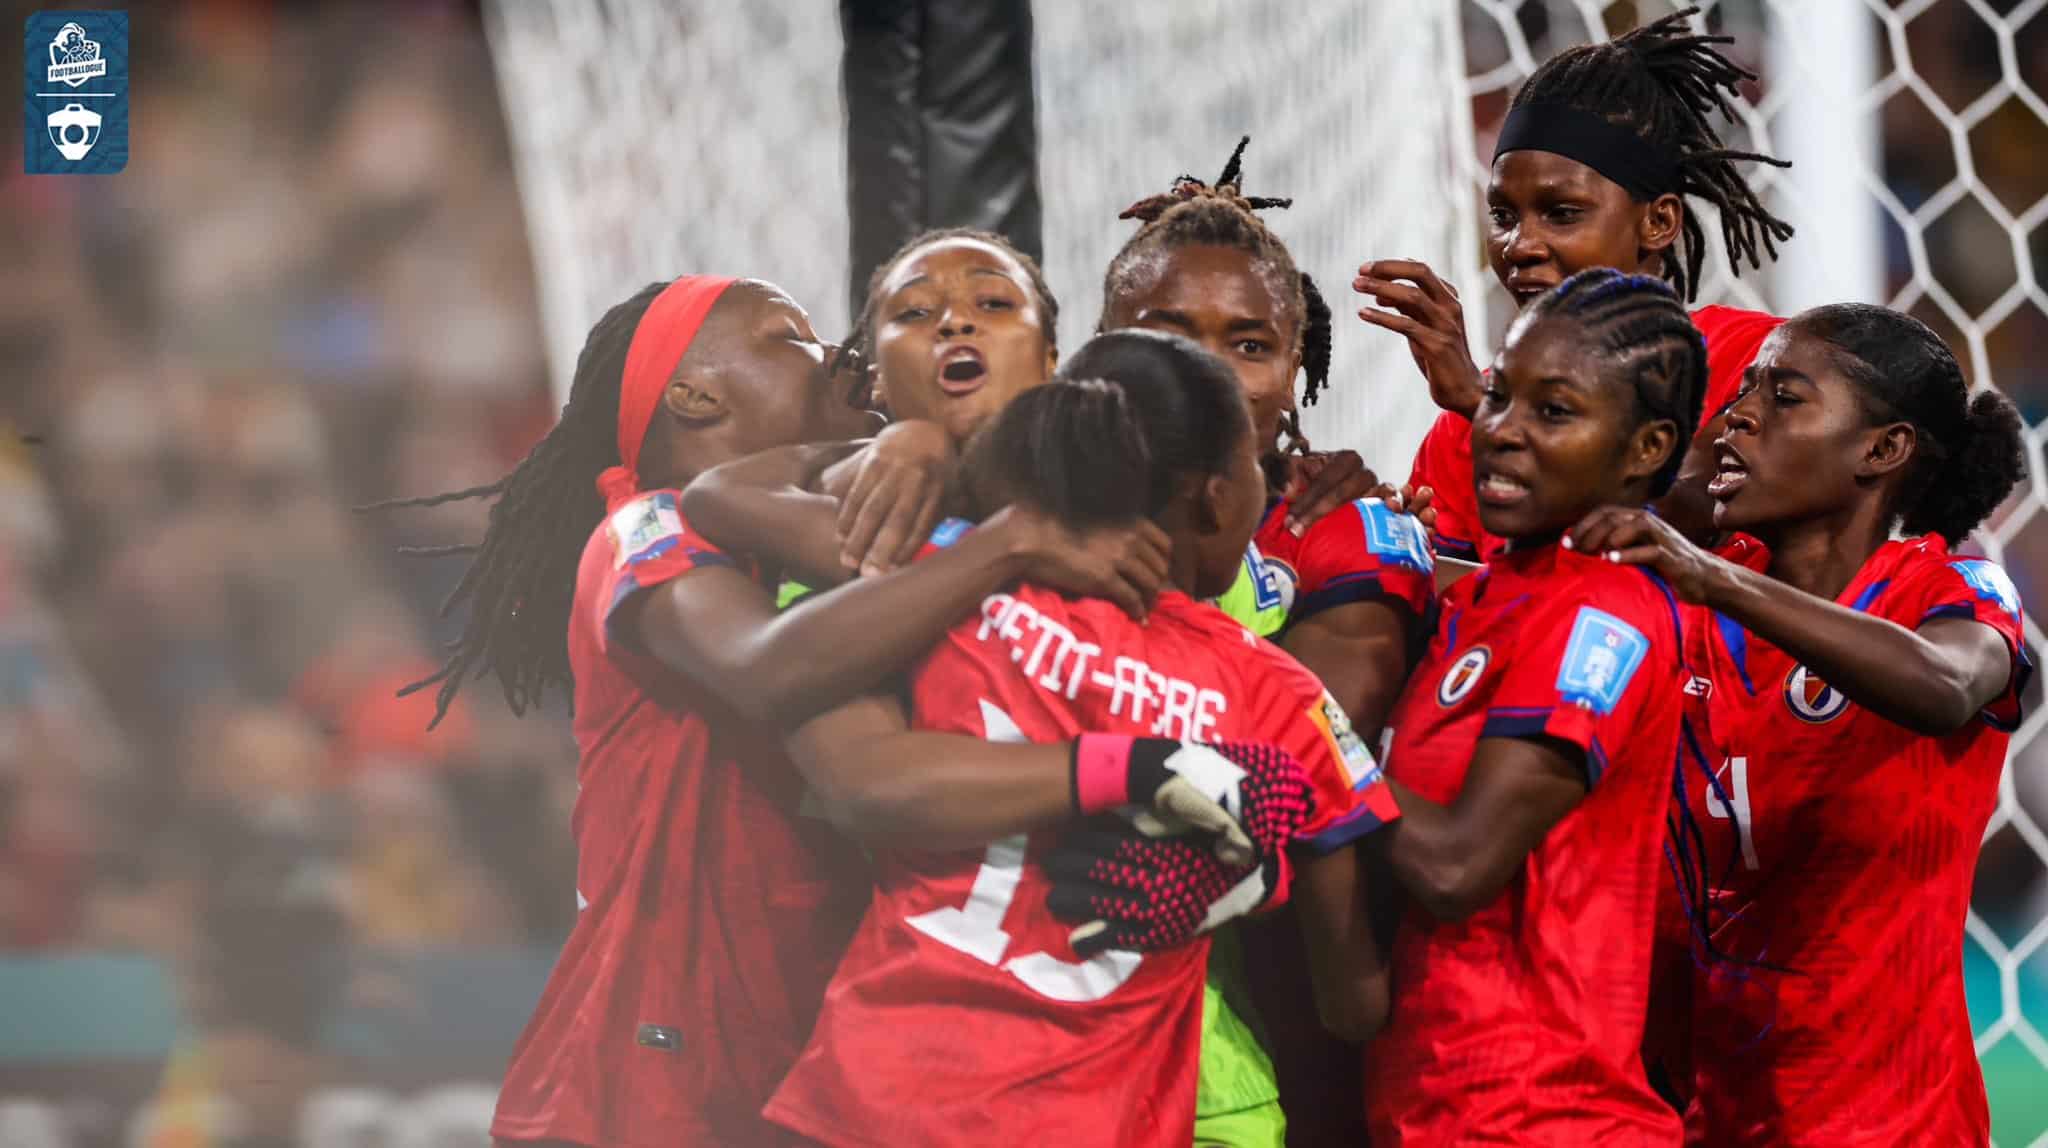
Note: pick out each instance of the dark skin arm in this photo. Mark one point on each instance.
(719, 629)
(765, 505)
(1360, 652)
(829, 510)
(885, 783)
(1933, 680)
(1455, 859)
(1346, 964)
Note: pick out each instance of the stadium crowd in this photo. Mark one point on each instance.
(312, 293)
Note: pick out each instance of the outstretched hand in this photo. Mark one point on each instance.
(1424, 310)
(1635, 537)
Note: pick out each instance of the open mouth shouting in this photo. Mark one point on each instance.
(962, 370)
(1731, 471)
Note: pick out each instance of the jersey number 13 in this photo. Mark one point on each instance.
(976, 928)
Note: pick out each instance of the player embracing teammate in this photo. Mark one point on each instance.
(1780, 751)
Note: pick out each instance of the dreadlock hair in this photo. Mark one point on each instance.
(1967, 454)
(1196, 214)
(1665, 82)
(522, 581)
(1641, 332)
(858, 348)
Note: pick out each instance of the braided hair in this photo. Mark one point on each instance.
(1639, 328)
(1196, 214)
(859, 346)
(1665, 82)
(521, 582)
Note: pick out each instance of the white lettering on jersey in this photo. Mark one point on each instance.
(1057, 660)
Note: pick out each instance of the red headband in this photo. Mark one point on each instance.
(659, 342)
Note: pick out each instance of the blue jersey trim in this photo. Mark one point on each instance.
(1514, 722)
(1736, 639)
(1447, 547)
(1869, 595)
(630, 585)
(1360, 586)
(1343, 831)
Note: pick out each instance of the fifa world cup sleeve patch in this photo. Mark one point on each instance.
(645, 529)
(1396, 539)
(1991, 583)
(1601, 656)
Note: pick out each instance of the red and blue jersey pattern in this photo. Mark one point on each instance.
(960, 1015)
(710, 914)
(1363, 551)
(1841, 849)
(1444, 460)
(1523, 1023)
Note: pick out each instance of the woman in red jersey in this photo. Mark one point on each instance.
(1860, 680)
(1601, 150)
(1533, 754)
(1348, 593)
(710, 913)
(963, 1013)
(957, 323)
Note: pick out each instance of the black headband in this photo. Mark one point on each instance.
(1613, 150)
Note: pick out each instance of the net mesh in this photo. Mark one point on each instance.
(1916, 131)
(1348, 114)
(653, 140)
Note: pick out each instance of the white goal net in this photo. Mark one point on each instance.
(1916, 130)
(653, 138)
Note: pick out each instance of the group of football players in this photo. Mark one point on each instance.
(1080, 759)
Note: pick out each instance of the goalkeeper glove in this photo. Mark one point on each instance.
(1251, 797)
(1129, 891)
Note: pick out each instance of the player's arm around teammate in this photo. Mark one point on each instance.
(1535, 743)
(1862, 681)
(1603, 147)
(1166, 437)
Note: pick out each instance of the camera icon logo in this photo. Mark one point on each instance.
(74, 128)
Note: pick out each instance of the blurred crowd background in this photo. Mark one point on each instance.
(310, 291)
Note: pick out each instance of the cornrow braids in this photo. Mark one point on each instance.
(858, 348)
(1666, 82)
(521, 584)
(1192, 213)
(1639, 326)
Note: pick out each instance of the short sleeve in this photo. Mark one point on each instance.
(1981, 591)
(1444, 464)
(1352, 795)
(1366, 551)
(1578, 675)
(650, 544)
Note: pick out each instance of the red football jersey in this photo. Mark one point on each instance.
(960, 1015)
(1444, 460)
(1842, 848)
(1523, 1023)
(1356, 553)
(710, 915)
